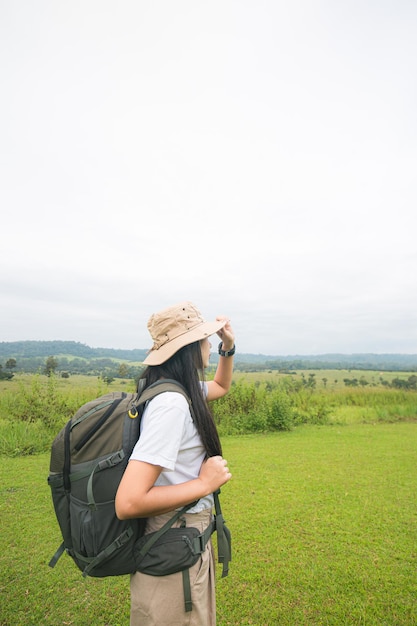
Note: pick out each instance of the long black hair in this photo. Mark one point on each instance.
(185, 366)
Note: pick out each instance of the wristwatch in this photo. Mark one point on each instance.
(226, 352)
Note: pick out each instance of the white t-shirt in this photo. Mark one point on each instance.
(170, 439)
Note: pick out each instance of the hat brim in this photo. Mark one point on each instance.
(166, 351)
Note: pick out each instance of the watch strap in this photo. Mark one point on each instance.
(226, 352)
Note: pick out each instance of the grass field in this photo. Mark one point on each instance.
(329, 379)
(324, 524)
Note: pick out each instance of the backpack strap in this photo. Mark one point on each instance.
(224, 548)
(188, 605)
(224, 538)
(161, 386)
(57, 555)
(67, 458)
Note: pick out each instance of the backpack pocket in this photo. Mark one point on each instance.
(91, 529)
(85, 529)
(60, 501)
(174, 551)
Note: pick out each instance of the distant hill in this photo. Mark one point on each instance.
(365, 361)
(26, 351)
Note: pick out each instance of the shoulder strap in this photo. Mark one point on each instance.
(224, 538)
(161, 386)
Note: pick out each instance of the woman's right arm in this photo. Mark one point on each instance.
(137, 495)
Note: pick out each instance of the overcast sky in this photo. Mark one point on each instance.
(255, 157)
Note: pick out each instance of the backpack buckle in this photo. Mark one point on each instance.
(199, 544)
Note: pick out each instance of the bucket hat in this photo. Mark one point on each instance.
(176, 327)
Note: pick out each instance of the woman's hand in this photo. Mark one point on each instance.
(137, 495)
(214, 473)
(226, 333)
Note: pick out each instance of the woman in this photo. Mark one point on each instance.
(177, 460)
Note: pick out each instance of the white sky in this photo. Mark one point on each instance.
(258, 158)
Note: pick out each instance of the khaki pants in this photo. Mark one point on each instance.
(159, 600)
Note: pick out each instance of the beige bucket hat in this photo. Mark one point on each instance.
(176, 327)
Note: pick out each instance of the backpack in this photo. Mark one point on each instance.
(88, 459)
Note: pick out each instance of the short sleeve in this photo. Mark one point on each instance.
(162, 429)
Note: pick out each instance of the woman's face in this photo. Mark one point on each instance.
(205, 346)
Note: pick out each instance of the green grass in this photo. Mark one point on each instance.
(323, 519)
(330, 527)
(84, 385)
(368, 405)
(333, 378)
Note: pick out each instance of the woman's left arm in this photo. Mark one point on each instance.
(222, 381)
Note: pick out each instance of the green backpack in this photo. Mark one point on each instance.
(88, 459)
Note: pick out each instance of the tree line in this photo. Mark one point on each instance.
(77, 358)
(33, 349)
(107, 369)
(26, 352)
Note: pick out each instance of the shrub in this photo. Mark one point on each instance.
(40, 402)
(280, 413)
(251, 408)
